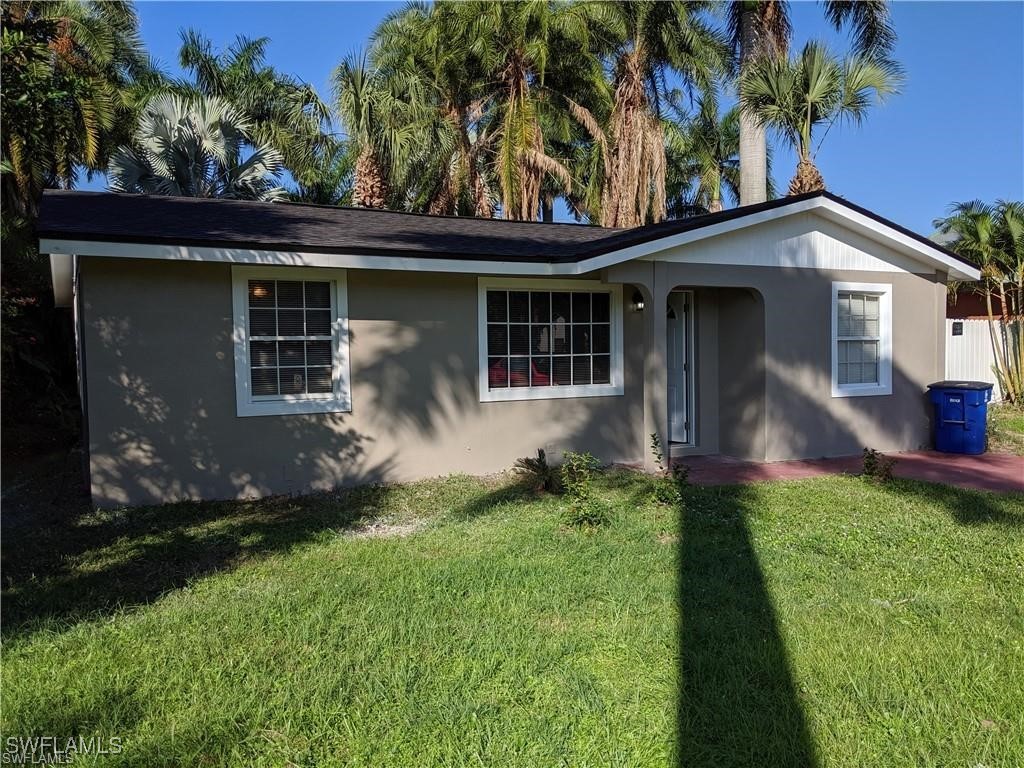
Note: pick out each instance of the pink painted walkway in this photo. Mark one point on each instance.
(988, 472)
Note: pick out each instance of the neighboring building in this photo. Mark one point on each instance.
(968, 303)
(232, 349)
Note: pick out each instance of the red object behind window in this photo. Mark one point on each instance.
(498, 376)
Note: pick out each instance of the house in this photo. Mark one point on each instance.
(231, 349)
(968, 303)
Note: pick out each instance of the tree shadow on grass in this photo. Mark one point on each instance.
(738, 704)
(508, 491)
(67, 562)
(966, 507)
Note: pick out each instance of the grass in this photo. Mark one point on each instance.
(829, 622)
(1006, 428)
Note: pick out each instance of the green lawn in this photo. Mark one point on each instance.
(1006, 428)
(826, 622)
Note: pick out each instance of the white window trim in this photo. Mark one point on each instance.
(246, 404)
(884, 385)
(616, 385)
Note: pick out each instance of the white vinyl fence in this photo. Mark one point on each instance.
(969, 355)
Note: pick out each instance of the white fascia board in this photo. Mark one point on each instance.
(299, 258)
(837, 212)
(829, 209)
(956, 269)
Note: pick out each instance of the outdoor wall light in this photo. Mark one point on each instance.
(637, 302)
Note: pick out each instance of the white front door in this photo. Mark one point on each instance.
(679, 400)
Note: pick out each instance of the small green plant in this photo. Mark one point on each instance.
(878, 466)
(669, 482)
(540, 475)
(585, 509)
(666, 491)
(658, 451)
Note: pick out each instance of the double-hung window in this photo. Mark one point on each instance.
(291, 340)
(542, 339)
(861, 339)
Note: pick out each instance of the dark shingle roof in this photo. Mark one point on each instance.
(187, 221)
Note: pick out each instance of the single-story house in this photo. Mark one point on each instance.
(232, 349)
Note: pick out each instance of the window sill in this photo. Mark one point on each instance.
(861, 391)
(293, 407)
(550, 393)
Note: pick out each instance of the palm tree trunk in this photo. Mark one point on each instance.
(997, 346)
(753, 143)
(633, 190)
(547, 209)
(369, 189)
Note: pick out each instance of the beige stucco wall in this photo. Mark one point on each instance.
(160, 377)
(797, 417)
(159, 373)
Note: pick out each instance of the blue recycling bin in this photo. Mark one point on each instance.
(961, 412)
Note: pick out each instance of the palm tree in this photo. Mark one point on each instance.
(761, 29)
(331, 179)
(447, 172)
(992, 238)
(284, 112)
(69, 71)
(794, 96)
(195, 148)
(650, 39)
(512, 46)
(379, 119)
(703, 158)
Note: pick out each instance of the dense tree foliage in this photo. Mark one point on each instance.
(72, 77)
(196, 147)
(811, 90)
(992, 238)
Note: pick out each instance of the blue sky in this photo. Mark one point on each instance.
(955, 133)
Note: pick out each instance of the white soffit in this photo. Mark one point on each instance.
(62, 278)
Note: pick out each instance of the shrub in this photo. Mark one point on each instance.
(878, 466)
(666, 491)
(585, 509)
(540, 475)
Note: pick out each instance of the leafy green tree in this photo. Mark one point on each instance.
(760, 29)
(379, 121)
(198, 147)
(992, 238)
(283, 112)
(648, 41)
(447, 172)
(513, 46)
(69, 92)
(814, 89)
(74, 74)
(331, 179)
(703, 160)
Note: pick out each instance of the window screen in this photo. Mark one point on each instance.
(548, 338)
(858, 338)
(290, 337)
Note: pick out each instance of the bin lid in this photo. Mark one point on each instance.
(960, 385)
